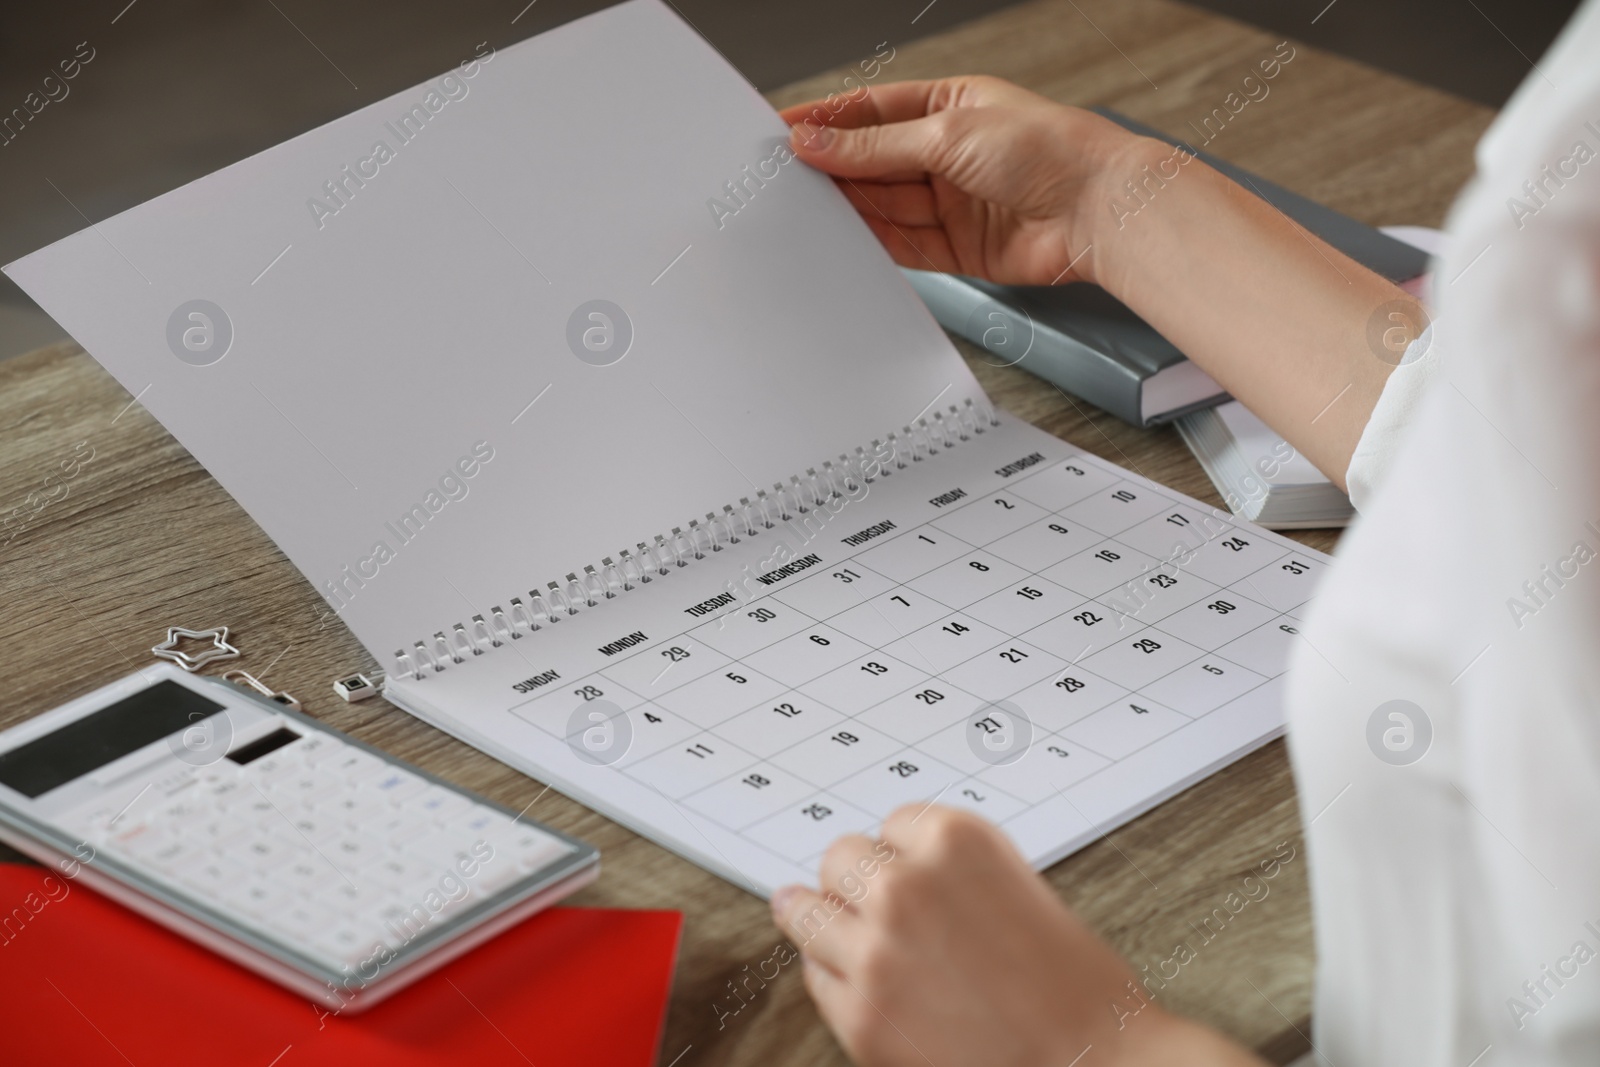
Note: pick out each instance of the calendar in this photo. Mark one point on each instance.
(696, 515)
(1010, 626)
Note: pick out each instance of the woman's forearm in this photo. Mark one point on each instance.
(1280, 319)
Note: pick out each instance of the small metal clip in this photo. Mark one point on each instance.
(220, 649)
(245, 678)
(355, 687)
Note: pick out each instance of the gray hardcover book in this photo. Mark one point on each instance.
(1084, 340)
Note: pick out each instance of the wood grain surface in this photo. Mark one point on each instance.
(95, 566)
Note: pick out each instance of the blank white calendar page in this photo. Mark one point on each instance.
(1011, 626)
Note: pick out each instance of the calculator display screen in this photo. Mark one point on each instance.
(93, 741)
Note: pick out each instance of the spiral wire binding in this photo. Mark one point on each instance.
(655, 559)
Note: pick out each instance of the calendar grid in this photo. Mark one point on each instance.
(812, 622)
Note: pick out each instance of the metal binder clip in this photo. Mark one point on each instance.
(355, 687)
(238, 677)
(220, 649)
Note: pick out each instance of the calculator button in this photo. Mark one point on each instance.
(806, 655)
(989, 518)
(302, 920)
(307, 873)
(440, 804)
(303, 786)
(1116, 507)
(207, 873)
(394, 871)
(481, 820)
(223, 792)
(263, 852)
(968, 578)
(352, 850)
(397, 786)
(223, 828)
(1125, 727)
(257, 897)
(495, 874)
(529, 849)
(439, 850)
(1064, 484)
(311, 749)
(345, 941)
(356, 806)
(351, 763)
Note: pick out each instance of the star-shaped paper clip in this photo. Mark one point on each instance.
(220, 649)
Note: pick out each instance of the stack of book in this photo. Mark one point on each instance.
(1259, 474)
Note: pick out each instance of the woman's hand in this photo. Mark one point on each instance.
(976, 176)
(970, 175)
(940, 945)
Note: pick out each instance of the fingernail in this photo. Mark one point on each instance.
(781, 898)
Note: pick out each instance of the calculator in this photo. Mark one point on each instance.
(313, 859)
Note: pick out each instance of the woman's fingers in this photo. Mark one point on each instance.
(889, 102)
(846, 866)
(821, 927)
(917, 247)
(902, 203)
(880, 150)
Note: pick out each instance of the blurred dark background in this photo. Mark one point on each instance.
(179, 88)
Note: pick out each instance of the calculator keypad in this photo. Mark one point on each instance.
(325, 846)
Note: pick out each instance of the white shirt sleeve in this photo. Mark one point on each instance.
(1380, 441)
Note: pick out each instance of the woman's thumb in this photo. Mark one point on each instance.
(870, 151)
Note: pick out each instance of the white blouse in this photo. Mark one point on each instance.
(1444, 704)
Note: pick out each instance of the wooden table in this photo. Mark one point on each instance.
(144, 538)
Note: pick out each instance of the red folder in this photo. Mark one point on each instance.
(84, 981)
